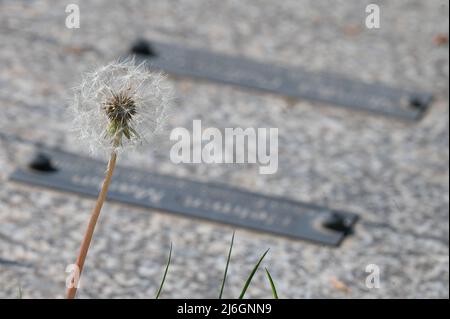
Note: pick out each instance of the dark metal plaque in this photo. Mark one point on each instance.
(214, 202)
(292, 82)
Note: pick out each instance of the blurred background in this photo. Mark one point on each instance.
(394, 174)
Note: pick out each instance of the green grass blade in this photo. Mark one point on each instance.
(19, 293)
(272, 285)
(165, 272)
(226, 267)
(247, 283)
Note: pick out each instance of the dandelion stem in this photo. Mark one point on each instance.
(71, 292)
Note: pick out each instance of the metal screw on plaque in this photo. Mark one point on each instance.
(337, 223)
(143, 47)
(43, 163)
(416, 103)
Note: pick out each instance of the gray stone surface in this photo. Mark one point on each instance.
(394, 174)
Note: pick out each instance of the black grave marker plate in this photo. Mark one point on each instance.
(292, 82)
(214, 202)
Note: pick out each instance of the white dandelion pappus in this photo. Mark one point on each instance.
(122, 102)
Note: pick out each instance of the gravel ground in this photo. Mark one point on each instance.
(394, 174)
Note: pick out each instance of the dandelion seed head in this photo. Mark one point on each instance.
(120, 105)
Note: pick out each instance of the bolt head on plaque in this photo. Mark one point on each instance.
(337, 223)
(416, 103)
(143, 47)
(43, 163)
